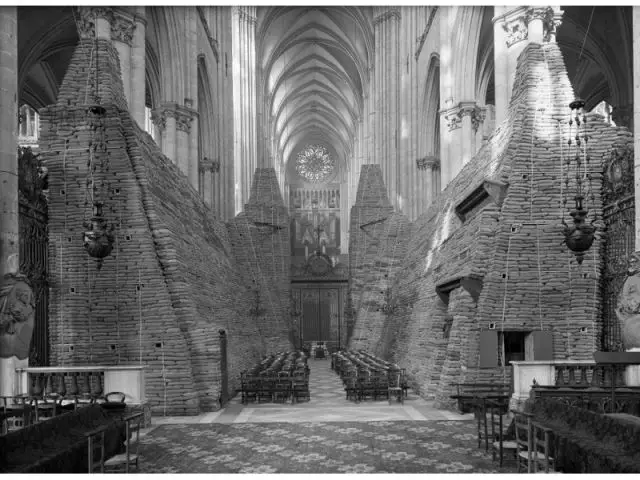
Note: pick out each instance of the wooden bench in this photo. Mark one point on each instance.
(58, 445)
(469, 394)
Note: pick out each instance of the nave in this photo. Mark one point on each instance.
(327, 434)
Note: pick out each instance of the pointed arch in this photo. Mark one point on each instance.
(430, 131)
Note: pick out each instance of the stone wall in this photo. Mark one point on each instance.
(502, 265)
(170, 283)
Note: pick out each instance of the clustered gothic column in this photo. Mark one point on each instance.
(461, 127)
(174, 124)
(385, 90)
(126, 28)
(9, 241)
(409, 113)
(244, 101)
(208, 168)
(223, 190)
(138, 67)
(514, 29)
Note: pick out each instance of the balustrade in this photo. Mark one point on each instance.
(82, 383)
(569, 375)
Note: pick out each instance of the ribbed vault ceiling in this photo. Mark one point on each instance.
(315, 63)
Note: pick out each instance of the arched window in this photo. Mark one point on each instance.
(29, 126)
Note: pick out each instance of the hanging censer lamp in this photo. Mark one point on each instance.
(98, 236)
(578, 237)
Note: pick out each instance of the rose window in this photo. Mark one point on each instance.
(314, 163)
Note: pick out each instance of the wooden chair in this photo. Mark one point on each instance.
(524, 441)
(300, 386)
(480, 412)
(533, 444)
(541, 454)
(95, 446)
(499, 444)
(123, 461)
(17, 413)
(395, 386)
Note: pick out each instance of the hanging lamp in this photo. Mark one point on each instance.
(579, 236)
(98, 238)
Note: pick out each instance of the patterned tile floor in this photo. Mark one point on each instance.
(326, 434)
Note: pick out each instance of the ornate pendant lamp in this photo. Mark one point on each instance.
(98, 238)
(578, 237)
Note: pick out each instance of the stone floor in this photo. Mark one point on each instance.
(323, 435)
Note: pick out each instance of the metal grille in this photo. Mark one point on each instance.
(619, 219)
(32, 224)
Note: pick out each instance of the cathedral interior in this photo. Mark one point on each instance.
(325, 239)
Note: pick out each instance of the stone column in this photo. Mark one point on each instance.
(424, 182)
(244, 107)
(175, 122)
(122, 28)
(386, 28)
(9, 241)
(206, 169)
(500, 66)
(138, 66)
(429, 169)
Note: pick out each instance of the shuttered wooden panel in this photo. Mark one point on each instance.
(488, 348)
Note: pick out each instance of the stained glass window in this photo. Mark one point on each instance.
(314, 163)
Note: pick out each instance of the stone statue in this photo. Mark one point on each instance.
(17, 315)
(628, 308)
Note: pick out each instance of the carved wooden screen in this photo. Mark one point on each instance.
(33, 253)
(619, 219)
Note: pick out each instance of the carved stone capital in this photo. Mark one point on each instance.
(387, 15)
(182, 115)
(551, 20)
(453, 118)
(87, 17)
(476, 113)
(122, 28)
(244, 15)
(138, 18)
(429, 162)
(516, 30)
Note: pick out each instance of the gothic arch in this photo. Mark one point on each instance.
(430, 131)
(469, 21)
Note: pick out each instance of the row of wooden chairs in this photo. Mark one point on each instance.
(281, 387)
(361, 382)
